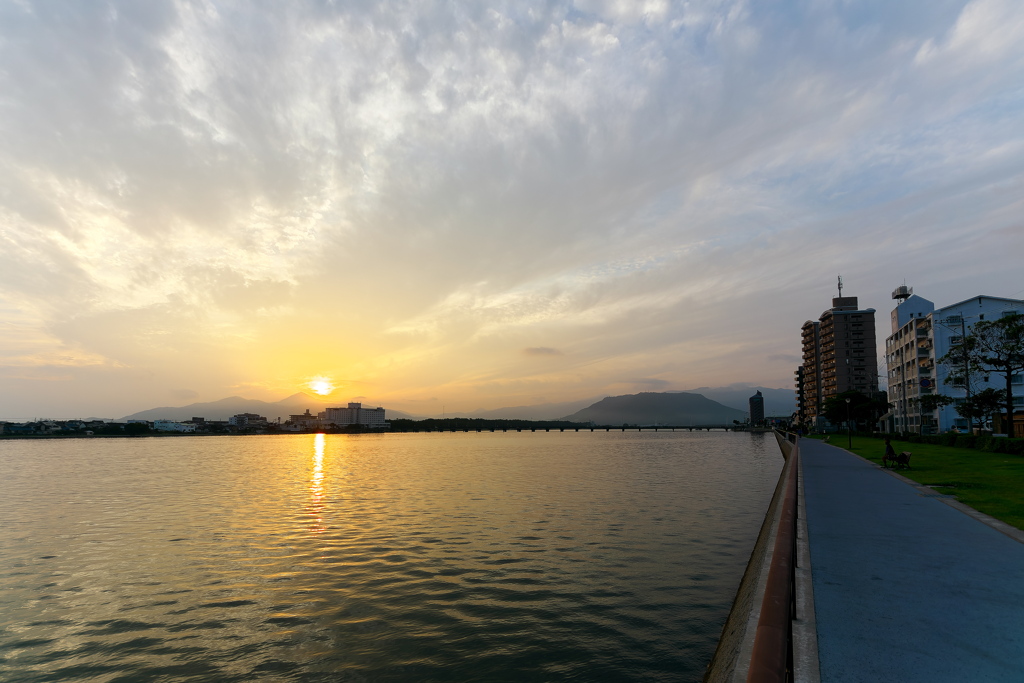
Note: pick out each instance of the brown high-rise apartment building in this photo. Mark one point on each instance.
(838, 356)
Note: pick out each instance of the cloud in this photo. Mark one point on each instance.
(413, 195)
(184, 394)
(650, 383)
(541, 351)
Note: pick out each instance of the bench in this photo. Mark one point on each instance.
(900, 460)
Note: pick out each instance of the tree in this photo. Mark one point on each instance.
(931, 402)
(963, 371)
(862, 408)
(994, 346)
(982, 406)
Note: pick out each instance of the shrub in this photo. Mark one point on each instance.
(988, 444)
(985, 443)
(966, 441)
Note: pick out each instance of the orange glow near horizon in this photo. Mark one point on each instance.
(321, 385)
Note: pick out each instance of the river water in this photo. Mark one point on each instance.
(398, 557)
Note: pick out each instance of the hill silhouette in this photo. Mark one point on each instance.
(233, 405)
(676, 408)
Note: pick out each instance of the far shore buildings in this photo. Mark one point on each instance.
(353, 415)
(838, 356)
(174, 426)
(248, 421)
(921, 336)
(356, 414)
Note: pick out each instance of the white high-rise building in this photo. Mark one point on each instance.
(921, 336)
(356, 414)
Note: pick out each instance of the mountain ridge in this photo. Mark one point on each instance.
(224, 408)
(668, 408)
(734, 396)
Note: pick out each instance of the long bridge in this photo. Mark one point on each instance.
(590, 428)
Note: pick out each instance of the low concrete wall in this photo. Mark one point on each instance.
(731, 661)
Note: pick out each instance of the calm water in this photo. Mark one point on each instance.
(402, 557)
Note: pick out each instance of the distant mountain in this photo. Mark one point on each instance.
(233, 405)
(776, 401)
(541, 411)
(675, 408)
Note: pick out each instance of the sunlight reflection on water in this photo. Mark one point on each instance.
(316, 486)
(402, 557)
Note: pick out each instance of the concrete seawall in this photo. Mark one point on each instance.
(731, 661)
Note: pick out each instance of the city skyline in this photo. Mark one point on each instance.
(479, 206)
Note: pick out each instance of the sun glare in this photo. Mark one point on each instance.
(321, 386)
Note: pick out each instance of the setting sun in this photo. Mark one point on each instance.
(321, 386)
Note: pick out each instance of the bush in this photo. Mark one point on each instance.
(966, 441)
(988, 444)
(985, 443)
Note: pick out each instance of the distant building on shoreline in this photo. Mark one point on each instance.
(174, 426)
(756, 403)
(248, 420)
(355, 414)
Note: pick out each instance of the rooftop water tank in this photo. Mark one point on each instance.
(902, 293)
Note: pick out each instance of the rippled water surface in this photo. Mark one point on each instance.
(400, 557)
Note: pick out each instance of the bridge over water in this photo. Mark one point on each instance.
(590, 428)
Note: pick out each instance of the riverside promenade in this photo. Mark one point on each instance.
(907, 587)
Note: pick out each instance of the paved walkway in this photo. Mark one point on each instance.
(907, 588)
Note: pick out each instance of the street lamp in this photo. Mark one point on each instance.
(849, 431)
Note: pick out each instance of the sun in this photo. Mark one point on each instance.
(321, 385)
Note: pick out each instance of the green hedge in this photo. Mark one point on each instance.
(981, 443)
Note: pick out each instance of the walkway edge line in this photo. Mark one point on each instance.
(806, 668)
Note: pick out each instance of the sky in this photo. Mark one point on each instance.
(470, 205)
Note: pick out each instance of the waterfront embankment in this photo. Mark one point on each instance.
(771, 604)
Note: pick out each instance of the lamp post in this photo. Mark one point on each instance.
(849, 431)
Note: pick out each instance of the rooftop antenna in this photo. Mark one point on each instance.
(840, 286)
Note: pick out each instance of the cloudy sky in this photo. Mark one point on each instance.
(475, 205)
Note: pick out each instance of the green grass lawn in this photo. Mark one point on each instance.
(990, 482)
